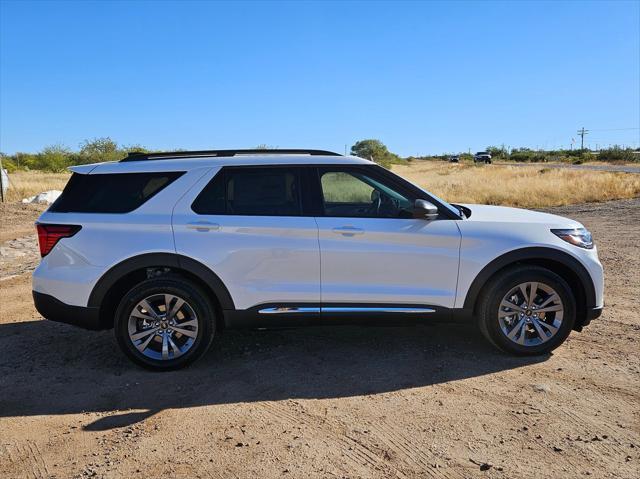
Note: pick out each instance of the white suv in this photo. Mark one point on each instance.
(170, 248)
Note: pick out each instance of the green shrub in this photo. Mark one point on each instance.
(617, 154)
(8, 164)
(525, 155)
(587, 156)
(58, 158)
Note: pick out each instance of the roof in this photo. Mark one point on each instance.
(190, 163)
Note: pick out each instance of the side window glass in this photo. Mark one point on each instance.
(251, 192)
(211, 200)
(341, 187)
(357, 195)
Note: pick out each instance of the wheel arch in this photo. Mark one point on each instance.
(561, 263)
(108, 290)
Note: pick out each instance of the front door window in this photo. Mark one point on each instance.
(354, 194)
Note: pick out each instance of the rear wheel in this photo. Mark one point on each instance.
(165, 323)
(527, 310)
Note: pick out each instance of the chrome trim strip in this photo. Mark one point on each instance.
(391, 309)
(344, 309)
(286, 310)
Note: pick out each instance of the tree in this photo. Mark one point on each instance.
(376, 151)
(53, 158)
(497, 151)
(100, 149)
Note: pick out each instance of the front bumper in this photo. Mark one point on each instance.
(55, 310)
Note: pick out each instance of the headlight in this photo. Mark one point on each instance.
(578, 237)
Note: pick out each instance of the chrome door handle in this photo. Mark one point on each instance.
(203, 226)
(348, 230)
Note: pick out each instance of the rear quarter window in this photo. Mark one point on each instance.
(112, 192)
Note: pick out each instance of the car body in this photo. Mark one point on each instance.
(482, 157)
(454, 159)
(270, 239)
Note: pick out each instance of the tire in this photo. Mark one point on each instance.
(195, 318)
(520, 331)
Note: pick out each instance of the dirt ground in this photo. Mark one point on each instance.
(406, 402)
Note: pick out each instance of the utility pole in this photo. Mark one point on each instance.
(582, 132)
(2, 182)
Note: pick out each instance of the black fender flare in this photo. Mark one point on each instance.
(532, 254)
(170, 260)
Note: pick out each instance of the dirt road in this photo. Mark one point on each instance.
(428, 401)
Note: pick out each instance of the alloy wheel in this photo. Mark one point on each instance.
(530, 313)
(163, 326)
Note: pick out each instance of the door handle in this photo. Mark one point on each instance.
(348, 230)
(203, 226)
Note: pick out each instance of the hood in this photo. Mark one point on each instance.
(504, 214)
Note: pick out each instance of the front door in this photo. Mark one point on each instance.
(374, 252)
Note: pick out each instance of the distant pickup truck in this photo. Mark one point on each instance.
(454, 159)
(482, 157)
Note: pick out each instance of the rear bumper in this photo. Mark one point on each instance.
(55, 310)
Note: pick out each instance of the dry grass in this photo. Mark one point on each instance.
(462, 183)
(23, 184)
(523, 187)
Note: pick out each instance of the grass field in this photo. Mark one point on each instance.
(23, 184)
(462, 183)
(522, 187)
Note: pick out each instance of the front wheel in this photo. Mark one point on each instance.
(527, 310)
(165, 323)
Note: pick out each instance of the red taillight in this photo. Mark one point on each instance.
(49, 235)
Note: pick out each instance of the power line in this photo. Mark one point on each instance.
(613, 129)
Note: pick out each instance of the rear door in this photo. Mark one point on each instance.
(246, 224)
(373, 251)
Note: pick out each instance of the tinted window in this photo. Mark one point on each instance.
(211, 200)
(251, 191)
(110, 193)
(357, 195)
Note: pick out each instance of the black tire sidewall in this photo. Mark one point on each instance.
(490, 325)
(202, 306)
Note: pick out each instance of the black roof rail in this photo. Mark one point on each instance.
(165, 155)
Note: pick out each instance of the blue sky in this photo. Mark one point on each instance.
(422, 77)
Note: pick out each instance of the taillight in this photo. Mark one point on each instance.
(49, 235)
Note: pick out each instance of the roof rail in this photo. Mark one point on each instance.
(165, 155)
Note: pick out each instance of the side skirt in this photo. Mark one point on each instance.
(312, 314)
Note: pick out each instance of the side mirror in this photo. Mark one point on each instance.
(425, 210)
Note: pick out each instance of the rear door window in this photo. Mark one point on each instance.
(251, 192)
(111, 192)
